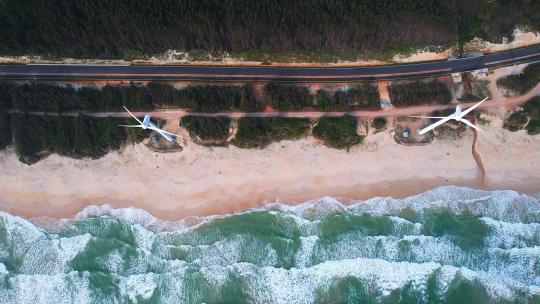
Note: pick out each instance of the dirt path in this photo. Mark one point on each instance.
(477, 157)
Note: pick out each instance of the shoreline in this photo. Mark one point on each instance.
(201, 181)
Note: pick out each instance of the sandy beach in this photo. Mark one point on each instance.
(206, 181)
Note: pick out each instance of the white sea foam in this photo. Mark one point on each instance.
(60, 288)
(139, 286)
(277, 285)
(508, 235)
(503, 205)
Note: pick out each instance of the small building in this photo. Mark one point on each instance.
(407, 133)
(456, 77)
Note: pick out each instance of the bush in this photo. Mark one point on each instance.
(207, 128)
(521, 83)
(338, 132)
(260, 132)
(419, 93)
(379, 123)
(287, 97)
(530, 113)
(516, 121)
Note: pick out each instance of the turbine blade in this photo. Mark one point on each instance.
(472, 108)
(470, 124)
(133, 116)
(130, 126)
(433, 126)
(428, 117)
(165, 134)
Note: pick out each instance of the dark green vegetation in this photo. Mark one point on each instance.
(260, 132)
(219, 99)
(337, 132)
(126, 29)
(288, 97)
(356, 98)
(379, 123)
(55, 98)
(521, 83)
(528, 118)
(44, 97)
(419, 93)
(36, 136)
(5, 130)
(207, 128)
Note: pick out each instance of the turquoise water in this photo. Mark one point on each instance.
(448, 245)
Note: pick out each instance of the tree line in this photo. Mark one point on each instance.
(37, 136)
(135, 28)
(46, 97)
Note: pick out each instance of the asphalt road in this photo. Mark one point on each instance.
(265, 73)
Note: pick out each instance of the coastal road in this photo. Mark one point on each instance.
(69, 72)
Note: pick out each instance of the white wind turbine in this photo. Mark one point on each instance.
(148, 124)
(457, 116)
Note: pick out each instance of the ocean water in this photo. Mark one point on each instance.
(448, 245)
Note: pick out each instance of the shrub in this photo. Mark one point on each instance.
(260, 132)
(379, 123)
(338, 132)
(207, 128)
(521, 83)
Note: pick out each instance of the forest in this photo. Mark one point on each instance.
(419, 93)
(521, 83)
(137, 28)
(36, 136)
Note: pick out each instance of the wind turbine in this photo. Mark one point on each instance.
(457, 116)
(148, 124)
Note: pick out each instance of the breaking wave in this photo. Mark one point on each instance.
(448, 245)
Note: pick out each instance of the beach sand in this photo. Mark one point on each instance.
(206, 181)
